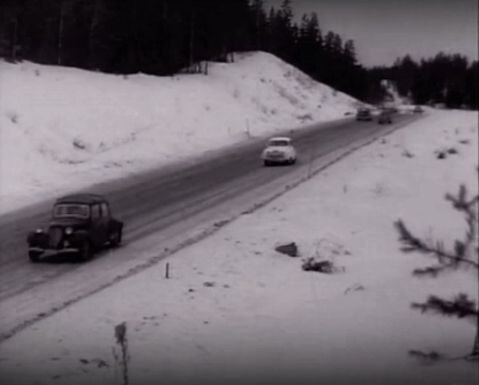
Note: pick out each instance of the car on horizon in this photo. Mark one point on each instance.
(364, 114)
(418, 110)
(79, 225)
(279, 150)
(385, 117)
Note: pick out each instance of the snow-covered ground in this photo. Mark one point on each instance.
(235, 310)
(63, 128)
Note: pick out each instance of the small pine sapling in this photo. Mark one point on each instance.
(464, 253)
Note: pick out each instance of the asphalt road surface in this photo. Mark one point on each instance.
(150, 204)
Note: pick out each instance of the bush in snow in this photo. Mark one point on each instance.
(442, 154)
(464, 253)
(311, 264)
(79, 144)
(305, 117)
(407, 154)
(355, 287)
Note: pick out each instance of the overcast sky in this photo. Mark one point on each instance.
(386, 29)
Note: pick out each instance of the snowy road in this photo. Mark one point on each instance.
(161, 209)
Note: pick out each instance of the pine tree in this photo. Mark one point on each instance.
(464, 253)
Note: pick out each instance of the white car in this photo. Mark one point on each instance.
(279, 150)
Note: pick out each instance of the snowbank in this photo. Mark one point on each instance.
(235, 310)
(64, 128)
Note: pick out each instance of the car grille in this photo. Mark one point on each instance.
(55, 236)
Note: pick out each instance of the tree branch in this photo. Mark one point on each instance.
(460, 306)
(412, 243)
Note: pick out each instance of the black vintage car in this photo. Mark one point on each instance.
(418, 110)
(80, 224)
(385, 116)
(364, 114)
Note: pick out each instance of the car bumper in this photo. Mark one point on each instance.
(62, 250)
(276, 159)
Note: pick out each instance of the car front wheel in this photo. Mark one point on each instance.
(34, 256)
(116, 238)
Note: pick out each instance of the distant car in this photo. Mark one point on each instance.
(79, 225)
(385, 117)
(279, 150)
(364, 114)
(418, 110)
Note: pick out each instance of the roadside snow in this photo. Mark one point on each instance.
(234, 310)
(63, 129)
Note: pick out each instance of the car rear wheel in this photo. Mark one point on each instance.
(85, 252)
(116, 238)
(267, 163)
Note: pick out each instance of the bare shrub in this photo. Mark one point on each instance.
(311, 264)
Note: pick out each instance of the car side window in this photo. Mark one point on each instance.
(105, 210)
(95, 211)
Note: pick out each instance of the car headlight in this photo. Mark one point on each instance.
(69, 230)
(39, 230)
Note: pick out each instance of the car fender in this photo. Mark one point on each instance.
(37, 239)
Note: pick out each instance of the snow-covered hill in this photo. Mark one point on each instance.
(64, 128)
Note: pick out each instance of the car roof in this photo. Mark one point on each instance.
(84, 198)
(280, 138)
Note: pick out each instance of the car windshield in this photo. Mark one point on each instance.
(278, 143)
(71, 210)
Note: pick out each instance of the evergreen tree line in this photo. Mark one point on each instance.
(448, 79)
(122, 36)
(163, 37)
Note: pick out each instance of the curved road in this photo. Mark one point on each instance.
(152, 204)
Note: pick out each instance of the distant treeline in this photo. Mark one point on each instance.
(163, 37)
(448, 79)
